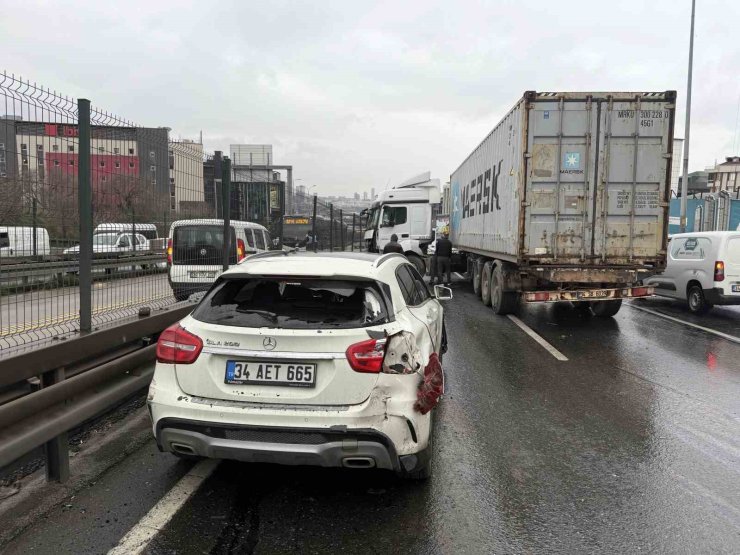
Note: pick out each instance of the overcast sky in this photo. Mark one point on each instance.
(364, 94)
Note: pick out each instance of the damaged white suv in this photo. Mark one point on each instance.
(306, 359)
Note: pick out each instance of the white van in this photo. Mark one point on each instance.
(703, 268)
(16, 242)
(147, 230)
(195, 251)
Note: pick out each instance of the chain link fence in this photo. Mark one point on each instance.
(101, 217)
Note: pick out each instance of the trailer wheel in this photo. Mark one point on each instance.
(485, 284)
(605, 309)
(476, 277)
(502, 302)
(418, 263)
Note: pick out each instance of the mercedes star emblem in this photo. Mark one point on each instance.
(269, 343)
(203, 252)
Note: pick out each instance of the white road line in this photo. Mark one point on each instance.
(459, 275)
(538, 338)
(137, 539)
(679, 321)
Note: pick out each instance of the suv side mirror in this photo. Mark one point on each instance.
(442, 293)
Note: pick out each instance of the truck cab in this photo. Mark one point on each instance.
(406, 211)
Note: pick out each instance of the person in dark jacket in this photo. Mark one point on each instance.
(443, 253)
(393, 245)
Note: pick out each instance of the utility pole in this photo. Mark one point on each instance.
(685, 179)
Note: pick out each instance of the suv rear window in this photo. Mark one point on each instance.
(4, 239)
(298, 303)
(199, 245)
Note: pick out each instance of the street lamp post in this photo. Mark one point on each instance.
(685, 179)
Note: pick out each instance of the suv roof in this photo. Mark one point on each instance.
(315, 264)
(214, 221)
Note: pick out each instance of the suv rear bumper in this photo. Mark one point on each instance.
(301, 446)
(717, 296)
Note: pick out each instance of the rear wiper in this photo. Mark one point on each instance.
(264, 313)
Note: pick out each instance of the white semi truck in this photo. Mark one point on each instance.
(567, 200)
(406, 210)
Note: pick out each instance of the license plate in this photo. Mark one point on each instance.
(736, 287)
(593, 294)
(202, 274)
(286, 374)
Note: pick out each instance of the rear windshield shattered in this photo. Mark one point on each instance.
(293, 304)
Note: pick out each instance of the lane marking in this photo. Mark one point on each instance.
(685, 323)
(538, 338)
(138, 538)
(459, 275)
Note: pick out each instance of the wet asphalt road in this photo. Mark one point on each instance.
(632, 445)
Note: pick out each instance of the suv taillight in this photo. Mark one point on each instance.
(169, 252)
(176, 345)
(367, 356)
(240, 250)
(719, 271)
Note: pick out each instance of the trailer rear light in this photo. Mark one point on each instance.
(240, 250)
(367, 356)
(176, 345)
(169, 252)
(719, 271)
(540, 297)
(640, 291)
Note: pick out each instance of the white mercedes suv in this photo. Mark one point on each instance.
(306, 359)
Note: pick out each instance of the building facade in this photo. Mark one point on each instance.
(186, 174)
(725, 176)
(34, 151)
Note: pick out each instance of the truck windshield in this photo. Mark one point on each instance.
(372, 217)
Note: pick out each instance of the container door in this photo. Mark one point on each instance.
(560, 183)
(634, 163)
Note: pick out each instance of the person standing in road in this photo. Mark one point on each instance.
(443, 254)
(393, 245)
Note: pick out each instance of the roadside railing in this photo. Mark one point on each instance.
(46, 392)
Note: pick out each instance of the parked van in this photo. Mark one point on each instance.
(17, 242)
(195, 251)
(703, 268)
(147, 230)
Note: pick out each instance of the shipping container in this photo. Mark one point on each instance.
(568, 189)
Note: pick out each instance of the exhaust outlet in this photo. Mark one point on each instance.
(182, 449)
(358, 462)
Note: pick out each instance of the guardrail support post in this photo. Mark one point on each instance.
(84, 195)
(56, 451)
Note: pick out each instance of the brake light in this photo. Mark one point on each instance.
(240, 250)
(367, 356)
(640, 291)
(719, 271)
(169, 252)
(176, 345)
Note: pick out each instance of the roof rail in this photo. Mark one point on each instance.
(386, 257)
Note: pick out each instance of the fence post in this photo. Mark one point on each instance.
(84, 197)
(313, 227)
(281, 192)
(56, 451)
(133, 229)
(341, 230)
(33, 218)
(352, 246)
(226, 202)
(331, 227)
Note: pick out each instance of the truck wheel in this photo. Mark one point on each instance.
(418, 263)
(502, 302)
(697, 303)
(605, 309)
(476, 277)
(485, 284)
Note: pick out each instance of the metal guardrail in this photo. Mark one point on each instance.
(72, 265)
(79, 380)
